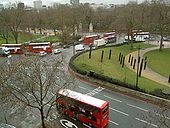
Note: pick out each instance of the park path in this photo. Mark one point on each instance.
(148, 72)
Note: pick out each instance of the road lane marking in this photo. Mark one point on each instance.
(113, 122)
(95, 91)
(138, 107)
(119, 111)
(146, 122)
(113, 98)
(86, 125)
(82, 88)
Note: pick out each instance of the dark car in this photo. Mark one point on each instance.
(66, 46)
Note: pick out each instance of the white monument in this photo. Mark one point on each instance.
(90, 27)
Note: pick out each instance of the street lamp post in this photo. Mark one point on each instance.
(137, 72)
(73, 48)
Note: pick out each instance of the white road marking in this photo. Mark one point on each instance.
(113, 122)
(82, 88)
(86, 125)
(113, 98)
(119, 111)
(95, 91)
(146, 122)
(138, 107)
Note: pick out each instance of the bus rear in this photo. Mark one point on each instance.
(90, 39)
(14, 48)
(110, 37)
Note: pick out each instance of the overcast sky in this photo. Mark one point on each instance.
(49, 2)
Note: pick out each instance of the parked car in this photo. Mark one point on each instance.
(56, 51)
(43, 53)
(66, 46)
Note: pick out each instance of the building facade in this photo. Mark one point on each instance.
(20, 5)
(1, 6)
(38, 4)
(74, 2)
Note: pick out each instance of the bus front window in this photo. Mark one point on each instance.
(105, 109)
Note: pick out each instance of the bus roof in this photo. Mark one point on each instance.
(108, 33)
(91, 36)
(83, 98)
(143, 33)
(39, 43)
(11, 44)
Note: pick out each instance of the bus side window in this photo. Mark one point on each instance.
(92, 118)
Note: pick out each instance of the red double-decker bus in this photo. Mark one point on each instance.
(38, 47)
(90, 39)
(84, 108)
(14, 48)
(110, 37)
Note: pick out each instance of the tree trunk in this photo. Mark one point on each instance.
(161, 43)
(6, 40)
(16, 37)
(42, 118)
(54, 31)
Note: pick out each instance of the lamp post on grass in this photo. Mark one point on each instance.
(137, 72)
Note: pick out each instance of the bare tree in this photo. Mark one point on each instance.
(160, 18)
(36, 81)
(158, 118)
(4, 27)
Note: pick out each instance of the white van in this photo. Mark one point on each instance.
(79, 47)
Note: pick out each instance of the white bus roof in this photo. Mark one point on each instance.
(11, 45)
(108, 33)
(143, 33)
(91, 36)
(82, 97)
(39, 43)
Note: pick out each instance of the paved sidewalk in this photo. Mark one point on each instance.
(148, 73)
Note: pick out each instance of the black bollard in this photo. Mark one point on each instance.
(145, 65)
(110, 53)
(145, 62)
(129, 58)
(123, 62)
(131, 61)
(169, 79)
(90, 52)
(102, 56)
(134, 63)
(119, 56)
(140, 71)
(139, 59)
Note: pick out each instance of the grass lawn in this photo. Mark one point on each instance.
(112, 68)
(51, 39)
(23, 37)
(159, 61)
